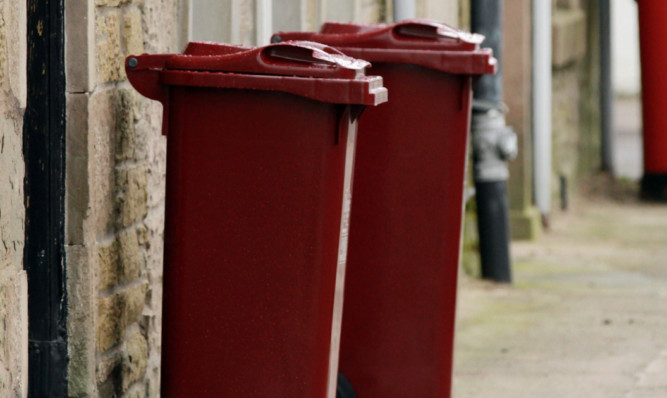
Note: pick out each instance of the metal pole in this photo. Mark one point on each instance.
(493, 144)
(542, 104)
(606, 87)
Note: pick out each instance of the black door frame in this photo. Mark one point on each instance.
(44, 154)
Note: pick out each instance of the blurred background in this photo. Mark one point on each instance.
(82, 165)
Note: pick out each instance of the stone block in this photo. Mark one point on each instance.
(102, 162)
(338, 10)
(133, 34)
(156, 180)
(368, 11)
(107, 260)
(155, 246)
(464, 15)
(111, 3)
(4, 72)
(13, 51)
(121, 261)
(146, 132)
(80, 45)
(80, 323)
(153, 383)
(110, 323)
(76, 180)
(125, 133)
(134, 300)
(152, 327)
(212, 20)
(12, 101)
(142, 236)
(116, 312)
(132, 195)
(110, 62)
(13, 333)
(445, 11)
(131, 259)
(567, 116)
(135, 355)
(12, 209)
(568, 37)
(109, 373)
(245, 22)
(152, 316)
(137, 391)
(161, 25)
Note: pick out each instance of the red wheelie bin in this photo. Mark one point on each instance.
(405, 230)
(652, 30)
(260, 145)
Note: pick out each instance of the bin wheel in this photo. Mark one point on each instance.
(344, 388)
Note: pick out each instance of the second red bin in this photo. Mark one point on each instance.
(405, 232)
(652, 29)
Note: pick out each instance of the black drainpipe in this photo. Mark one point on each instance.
(493, 144)
(44, 155)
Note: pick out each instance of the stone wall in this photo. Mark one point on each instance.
(525, 220)
(13, 288)
(575, 106)
(445, 11)
(115, 197)
(115, 180)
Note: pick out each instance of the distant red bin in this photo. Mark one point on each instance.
(259, 167)
(405, 231)
(652, 31)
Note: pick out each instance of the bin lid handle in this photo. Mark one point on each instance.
(311, 53)
(289, 58)
(428, 29)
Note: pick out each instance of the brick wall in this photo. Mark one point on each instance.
(13, 288)
(115, 197)
(575, 106)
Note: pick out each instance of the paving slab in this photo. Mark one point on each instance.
(586, 316)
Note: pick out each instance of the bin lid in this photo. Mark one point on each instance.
(423, 42)
(307, 69)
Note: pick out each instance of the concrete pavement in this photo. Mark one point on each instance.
(586, 317)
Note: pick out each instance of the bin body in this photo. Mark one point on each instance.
(399, 307)
(404, 245)
(277, 176)
(256, 187)
(652, 30)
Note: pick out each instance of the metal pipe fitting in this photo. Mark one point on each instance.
(493, 143)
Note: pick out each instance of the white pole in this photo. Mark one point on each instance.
(264, 21)
(404, 9)
(542, 104)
